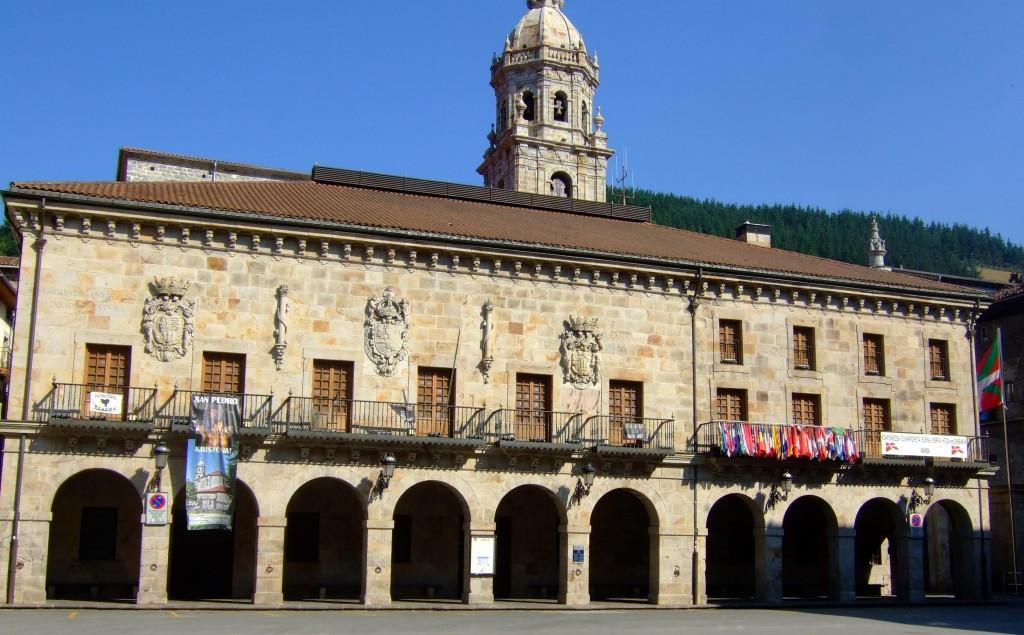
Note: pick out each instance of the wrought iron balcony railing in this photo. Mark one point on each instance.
(631, 432)
(98, 403)
(381, 417)
(5, 357)
(538, 426)
(254, 409)
(776, 441)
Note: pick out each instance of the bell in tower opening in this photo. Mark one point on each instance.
(546, 138)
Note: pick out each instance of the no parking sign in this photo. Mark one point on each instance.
(156, 508)
(916, 522)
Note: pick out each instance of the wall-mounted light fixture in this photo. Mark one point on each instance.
(387, 470)
(160, 453)
(916, 500)
(584, 482)
(780, 492)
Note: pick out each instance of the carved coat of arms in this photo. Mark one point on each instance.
(581, 352)
(167, 321)
(386, 331)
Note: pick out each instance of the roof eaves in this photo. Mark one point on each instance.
(778, 275)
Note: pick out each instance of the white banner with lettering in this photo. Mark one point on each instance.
(105, 403)
(941, 446)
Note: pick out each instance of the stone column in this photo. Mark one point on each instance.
(481, 587)
(675, 567)
(30, 569)
(153, 563)
(910, 559)
(377, 578)
(270, 560)
(768, 563)
(842, 566)
(577, 574)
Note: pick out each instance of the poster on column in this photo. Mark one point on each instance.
(212, 461)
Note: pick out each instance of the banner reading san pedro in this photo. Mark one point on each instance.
(212, 461)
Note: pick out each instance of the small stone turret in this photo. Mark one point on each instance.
(876, 247)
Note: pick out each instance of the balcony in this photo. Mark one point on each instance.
(540, 430)
(391, 423)
(948, 451)
(98, 408)
(255, 410)
(732, 439)
(631, 436)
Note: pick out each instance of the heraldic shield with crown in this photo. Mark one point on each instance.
(167, 319)
(581, 352)
(386, 331)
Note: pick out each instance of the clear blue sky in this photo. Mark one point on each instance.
(909, 106)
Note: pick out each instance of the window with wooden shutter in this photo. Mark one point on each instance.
(938, 360)
(533, 405)
(625, 410)
(332, 394)
(876, 421)
(730, 341)
(803, 347)
(224, 373)
(107, 367)
(731, 404)
(806, 409)
(874, 354)
(434, 415)
(107, 370)
(943, 416)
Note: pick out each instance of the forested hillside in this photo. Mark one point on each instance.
(912, 243)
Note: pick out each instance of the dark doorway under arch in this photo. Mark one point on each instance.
(878, 561)
(731, 566)
(620, 548)
(948, 551)
(323, 542)
(214, 564)
(528, 546)
(428, 544)
(809, 550)
(95, 538)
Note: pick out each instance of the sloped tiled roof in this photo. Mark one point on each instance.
(443, 216)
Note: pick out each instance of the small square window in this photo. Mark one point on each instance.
(874, 354)
(938, 360)
(803, 348)
(730, 341)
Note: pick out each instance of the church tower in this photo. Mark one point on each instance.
(547, 138)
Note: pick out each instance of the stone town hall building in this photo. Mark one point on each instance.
(581, 405)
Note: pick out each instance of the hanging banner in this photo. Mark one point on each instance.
(941, 446)
(212, 461)
(105, 403)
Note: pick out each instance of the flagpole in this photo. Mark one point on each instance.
(1009, 477)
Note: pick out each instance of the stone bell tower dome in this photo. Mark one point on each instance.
(547, 137)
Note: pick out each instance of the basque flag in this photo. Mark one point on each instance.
(990, 379)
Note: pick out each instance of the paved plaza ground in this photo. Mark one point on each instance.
(1001, 618)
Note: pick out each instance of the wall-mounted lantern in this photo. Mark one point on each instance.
(780, 492)
(584, 482)
(160, 453)
(387, 470)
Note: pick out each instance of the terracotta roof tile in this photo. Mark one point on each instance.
(370, 208)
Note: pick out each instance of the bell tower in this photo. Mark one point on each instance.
(547, 138)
